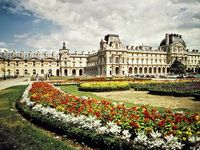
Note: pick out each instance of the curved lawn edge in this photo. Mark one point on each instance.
(88, 137)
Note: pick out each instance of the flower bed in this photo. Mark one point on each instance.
(169, 88)
(109, 125)
(176, 89)
(104, 86)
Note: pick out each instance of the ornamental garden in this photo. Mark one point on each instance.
(70, 108)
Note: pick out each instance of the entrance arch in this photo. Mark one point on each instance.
(65, 72)
(130, 71)
(80, 72)
(117, 70)
(135, 70)
(73, 72)
(57, 72)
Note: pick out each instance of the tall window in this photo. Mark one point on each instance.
(34, 72)
(117, 59)
(42, 71)
(25, 72)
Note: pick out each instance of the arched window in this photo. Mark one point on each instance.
(17, 72)
(167, 69)
(25, 72)
(140, 70)
(159, 70)
(145, 70)
(130, 71)
(80, 72)
(42, 71)
(57, 72)
(135, 70)
(117, 70)
(150, 70)
(73, 72)
(65, 72)
(117, 59)
(154, 70)
(163, 70)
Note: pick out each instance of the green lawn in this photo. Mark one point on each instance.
(73, 89)
(19, 134)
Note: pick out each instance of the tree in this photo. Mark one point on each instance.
(177, 67)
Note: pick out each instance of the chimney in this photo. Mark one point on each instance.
(167, 39)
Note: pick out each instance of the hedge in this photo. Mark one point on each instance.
(104, 86)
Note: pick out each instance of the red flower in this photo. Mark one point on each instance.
(134, 124)
(174, 127)
(161, 123)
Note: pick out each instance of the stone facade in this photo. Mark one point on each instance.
(112, 59)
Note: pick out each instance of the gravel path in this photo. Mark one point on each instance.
(11, 82)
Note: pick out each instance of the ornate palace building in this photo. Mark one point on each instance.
(112, 59)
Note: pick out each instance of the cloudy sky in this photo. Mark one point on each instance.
(45, 24)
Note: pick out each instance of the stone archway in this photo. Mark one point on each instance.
(163, 70)
(65, 72)
(140, 70)
(57, 72)
(80, 72)
(117, 70)
(73, 72)
(150, 70)
(130, 70)
(135, 70)
(145, 70)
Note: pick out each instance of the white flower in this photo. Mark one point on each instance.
(155, 134)
(102, 130)
(141, 138)
(126, 135)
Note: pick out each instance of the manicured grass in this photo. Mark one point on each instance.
(73, 89)
(135, 98)
(19, 134)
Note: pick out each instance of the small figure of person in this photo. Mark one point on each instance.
(37, 78)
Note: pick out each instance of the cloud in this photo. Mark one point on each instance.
(82, 23)
(3, 44)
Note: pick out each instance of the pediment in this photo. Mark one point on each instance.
(17, 58)
(34, 59)
(50, 59)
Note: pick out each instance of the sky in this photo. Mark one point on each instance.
(44, 24)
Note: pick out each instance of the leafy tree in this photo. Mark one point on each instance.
(177, 67)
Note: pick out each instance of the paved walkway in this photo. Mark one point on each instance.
(11, 82)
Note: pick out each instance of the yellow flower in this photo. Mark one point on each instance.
(184, 138)
(179, 132)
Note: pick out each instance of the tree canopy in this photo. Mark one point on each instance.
(177, 67)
